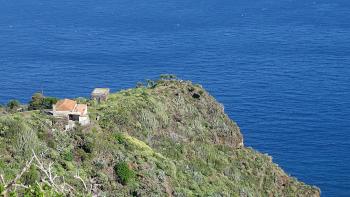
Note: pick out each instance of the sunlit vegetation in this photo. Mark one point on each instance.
(164, 138)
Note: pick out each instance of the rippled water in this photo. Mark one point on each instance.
(281, 68)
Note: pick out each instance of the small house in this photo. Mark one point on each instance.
(71, 111)
(100, 94)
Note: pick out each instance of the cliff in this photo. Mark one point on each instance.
(169, 139)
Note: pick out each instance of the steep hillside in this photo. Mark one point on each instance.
(169, 139)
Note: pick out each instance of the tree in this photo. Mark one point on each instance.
(139, 84)
(13, 104)
(36, 102)
(167, 77)
(40, 102)
(48, 102)
(151, 83)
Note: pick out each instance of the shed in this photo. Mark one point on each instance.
(100, 94)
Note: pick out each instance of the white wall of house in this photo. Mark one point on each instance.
(84, 120)
(61, 113)
(85, 112)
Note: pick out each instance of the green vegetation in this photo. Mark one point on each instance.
(40, 102)
(124, 173)
(169, 138)
(13, 105)
(31, 176)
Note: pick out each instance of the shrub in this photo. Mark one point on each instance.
(151, 83)
(82, 154)
(88, 146)
(119, 138)
(40, 102)
(167, 77)
(36, 102)
(34, 191)
(51, 143)
(124, 173)
(13, 194)
(13, 104)
(139, 85)
(48, 102)
(30, 177)
(2, 188)
(68, 156)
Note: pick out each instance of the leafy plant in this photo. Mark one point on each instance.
(36, 102)
(139, 84)
(124, 173)
(13, 104)
(151, 83)
(2, 188)
(167, 77)
(68, 156)
(39, 101)
(30, 177)
(119, 138)
(48, 102)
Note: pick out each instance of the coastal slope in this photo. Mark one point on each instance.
(170, 138)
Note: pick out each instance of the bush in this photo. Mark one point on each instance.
(51, 143)
(13, 194)
(2, 188)
(167, 77)
(40, 102)
(88, 146)
(124, 173)
(151, 83)
(36, 102)
(68, 156)
(34, 191)
(82, 154)
(13, 104)
(139, 85)
(119, 138)
(48, 102)
(30, 177)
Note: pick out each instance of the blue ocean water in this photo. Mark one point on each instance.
(280, 67)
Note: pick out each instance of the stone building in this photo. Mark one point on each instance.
(72, 112)
(100, 94)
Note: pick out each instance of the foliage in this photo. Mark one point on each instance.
(178, 145)
(40, 102)
(151, 83)
(68, 156)
(139, 85)
(20, 135)
(36, 102)
(2, 188)
(124, 173)
(34, 191)
(32, 176)
(168, 77)
(13, 104)
(120, 138)
(48, 102)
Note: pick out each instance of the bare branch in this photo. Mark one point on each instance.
(27, 166)
(21, 185)
(79, 178)
(2, 179)
(57, 183)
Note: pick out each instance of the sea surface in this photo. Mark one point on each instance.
(280, 67)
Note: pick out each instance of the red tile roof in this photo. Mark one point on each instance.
(80, 108)
(65, 105)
